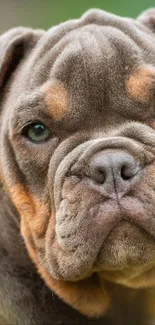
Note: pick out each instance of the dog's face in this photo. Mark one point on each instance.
(78, 149)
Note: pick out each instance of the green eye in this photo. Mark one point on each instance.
(37, 132)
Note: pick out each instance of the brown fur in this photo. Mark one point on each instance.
(56, 98)
(77, 222)
(80, 295)
(141, 83)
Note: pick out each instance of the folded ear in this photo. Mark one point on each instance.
(14, 45)
(148, 18)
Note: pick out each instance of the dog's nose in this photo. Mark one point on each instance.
(113, 170)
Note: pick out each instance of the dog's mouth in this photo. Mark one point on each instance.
(128, 253)
(126, 245)
(118, 246)
(131, 242)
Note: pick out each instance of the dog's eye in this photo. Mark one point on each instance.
(36, 132)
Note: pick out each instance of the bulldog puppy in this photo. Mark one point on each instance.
(77, 172)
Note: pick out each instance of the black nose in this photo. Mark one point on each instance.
(113, 170)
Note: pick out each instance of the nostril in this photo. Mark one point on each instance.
(97, 170)
(127, 172)
(99, 175)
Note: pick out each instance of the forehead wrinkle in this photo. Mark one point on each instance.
(56, 98)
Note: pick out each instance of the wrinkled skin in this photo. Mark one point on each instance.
(92, 83)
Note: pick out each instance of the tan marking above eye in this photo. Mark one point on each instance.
(56, 98)
(140, 84)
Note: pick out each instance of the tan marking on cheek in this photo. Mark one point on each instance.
(87, 296)
(29, 241)
(56, 98)
(140, 84)
(22, 199)
(82, 294)
(34, 218)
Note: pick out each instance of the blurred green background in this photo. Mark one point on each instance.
(44, 14)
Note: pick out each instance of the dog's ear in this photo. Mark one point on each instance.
(147, 18)
(14, 45)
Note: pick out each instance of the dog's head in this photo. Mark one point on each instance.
(78, 151)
